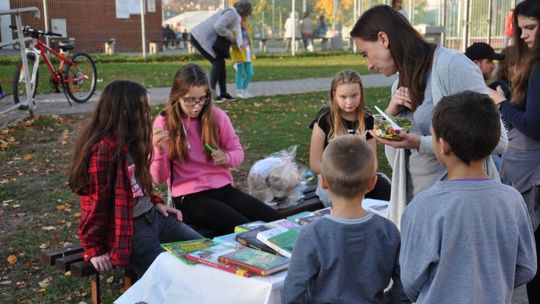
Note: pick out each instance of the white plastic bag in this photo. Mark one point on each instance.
(276, 177)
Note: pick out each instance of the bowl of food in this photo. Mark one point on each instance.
(383, 128)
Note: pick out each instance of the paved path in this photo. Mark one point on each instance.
(57, 104)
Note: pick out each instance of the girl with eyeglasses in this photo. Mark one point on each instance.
(195, 146)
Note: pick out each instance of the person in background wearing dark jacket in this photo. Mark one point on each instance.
(225, 23)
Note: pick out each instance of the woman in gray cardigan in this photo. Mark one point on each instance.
(225, 23)
(426, 73)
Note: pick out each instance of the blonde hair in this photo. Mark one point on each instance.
(336, 124)
(348, 165)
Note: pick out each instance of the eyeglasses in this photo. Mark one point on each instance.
(191, 101)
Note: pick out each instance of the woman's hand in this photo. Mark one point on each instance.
(102, 263)
(409, 141)
(496, 96)
(165, 210)
(219, 157)
(160, 138)
(400, 100)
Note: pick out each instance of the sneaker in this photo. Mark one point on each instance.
(240, 94)
(246, 94)
(219, 100)
(227, 97)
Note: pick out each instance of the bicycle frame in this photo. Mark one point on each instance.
(40, 49)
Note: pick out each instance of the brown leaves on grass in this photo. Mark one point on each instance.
(6, 139)
(12, 259)
(27, 156)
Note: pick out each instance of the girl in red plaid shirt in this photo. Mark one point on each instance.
(122, 221)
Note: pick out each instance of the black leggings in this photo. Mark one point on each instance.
(218, 73)
(222, 209)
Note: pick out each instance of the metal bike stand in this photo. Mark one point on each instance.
(21, 41)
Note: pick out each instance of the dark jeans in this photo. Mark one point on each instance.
(149, 231)
(222, 209)
(218, 74)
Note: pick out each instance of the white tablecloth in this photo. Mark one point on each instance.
(169, 280)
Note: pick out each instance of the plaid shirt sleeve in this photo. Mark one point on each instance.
(96, 206)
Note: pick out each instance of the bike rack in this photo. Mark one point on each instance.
(21, 40)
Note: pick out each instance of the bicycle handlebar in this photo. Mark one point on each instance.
(36, 33)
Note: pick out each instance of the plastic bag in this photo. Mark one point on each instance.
(276, 177)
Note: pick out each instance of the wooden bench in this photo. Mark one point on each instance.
(70, 259)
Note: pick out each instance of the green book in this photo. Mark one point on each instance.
(255, 261)
(181, 248)
(280, 239)
(248, 226)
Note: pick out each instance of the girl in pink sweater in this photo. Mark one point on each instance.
(195, 145)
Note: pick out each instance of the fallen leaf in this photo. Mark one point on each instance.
(49, 228)
(110, 279)
(27, 157)
(1, 212)
(12, 259)
(45, 282)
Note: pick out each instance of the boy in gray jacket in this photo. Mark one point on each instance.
(468, 238)
(350, 255)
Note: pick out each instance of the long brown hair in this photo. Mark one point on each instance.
(336, 124)
(528, 57)
(509, 62)
(189, 75)
(123, 112)
(412, 55)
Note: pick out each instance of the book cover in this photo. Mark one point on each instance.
(376, 206)
(309, 219)
(209, 256)
(282, 223)
(323, 211)
(248, 226)
(181, 248)
(249, 239)
(255, 261)
(296, 217)
(316, 215)
(280, 239)
(227, 238)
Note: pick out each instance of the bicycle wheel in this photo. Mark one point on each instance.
(19, 82)
(80, 78)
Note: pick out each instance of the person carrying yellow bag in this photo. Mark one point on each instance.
(242, 58)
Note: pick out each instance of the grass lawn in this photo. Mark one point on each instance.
(159, 74)
(38, 211)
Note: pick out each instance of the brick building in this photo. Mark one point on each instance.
(93, 22)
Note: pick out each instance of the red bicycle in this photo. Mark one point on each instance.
(76, 75)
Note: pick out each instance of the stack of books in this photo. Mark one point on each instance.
(280, 239)
(262, 250)
(237, 259)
